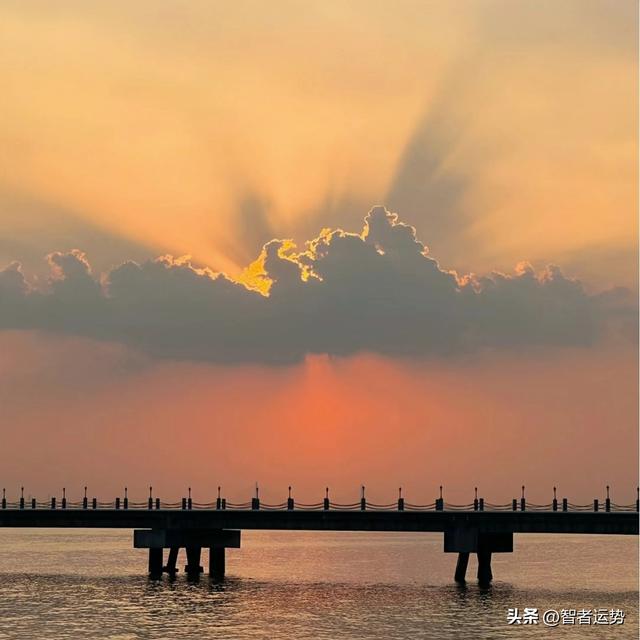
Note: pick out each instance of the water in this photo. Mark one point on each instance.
(72, 584)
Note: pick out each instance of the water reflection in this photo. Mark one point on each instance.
(69, 587)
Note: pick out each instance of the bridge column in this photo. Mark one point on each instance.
(155, 563)
(461, 567)
(193, 568)
(193, 540)
(464, 540)
(170, 568)
(484, 567)
(216, 563)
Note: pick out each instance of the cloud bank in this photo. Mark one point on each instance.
(343, 293)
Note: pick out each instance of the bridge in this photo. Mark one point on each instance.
(479, 527)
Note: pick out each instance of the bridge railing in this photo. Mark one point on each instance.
(488, 506)
(624, 507)
(439, 504)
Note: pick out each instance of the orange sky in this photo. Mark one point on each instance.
(81, 413)
(503, 131)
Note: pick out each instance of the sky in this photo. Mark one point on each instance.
(322, 243)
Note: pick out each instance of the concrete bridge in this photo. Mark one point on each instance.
(478, 527)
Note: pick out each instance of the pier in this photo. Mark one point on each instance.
(480, 527)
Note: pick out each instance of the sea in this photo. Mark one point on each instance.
(281, 585)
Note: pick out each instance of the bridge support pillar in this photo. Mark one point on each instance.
(193, 568)
(193, 540)
(171, 568)
(216, 563)
(484, 567)
(155, 563)
(465, 539)
(461, 567)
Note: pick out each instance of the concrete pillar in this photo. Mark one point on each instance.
(216, 540)
(484, 567)
(461, 567)
(172, 561)
(193, 568)
(216, 563)
(155, 564)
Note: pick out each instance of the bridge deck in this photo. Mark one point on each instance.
(625, 523)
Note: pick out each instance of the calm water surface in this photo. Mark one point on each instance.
(58, 584)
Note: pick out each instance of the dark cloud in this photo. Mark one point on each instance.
(378, 290)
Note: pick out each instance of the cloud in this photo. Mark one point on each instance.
(374, 291)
